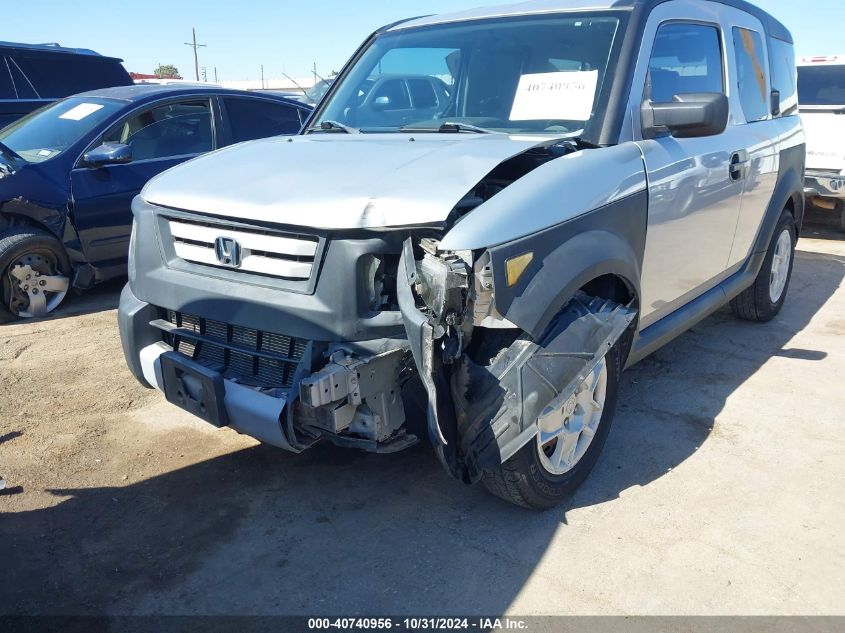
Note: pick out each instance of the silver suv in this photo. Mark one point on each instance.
(488, 217)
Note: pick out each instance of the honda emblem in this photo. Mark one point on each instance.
(228, 252)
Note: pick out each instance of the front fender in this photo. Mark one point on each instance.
(607, 241)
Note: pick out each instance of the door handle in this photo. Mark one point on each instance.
(738, 166)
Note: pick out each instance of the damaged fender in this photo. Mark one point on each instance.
(499, 405)
(424, 332)
(478, 417)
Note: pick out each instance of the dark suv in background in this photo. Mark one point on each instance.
(33, 75)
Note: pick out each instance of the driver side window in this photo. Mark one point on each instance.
(175, 129)
(687, 58)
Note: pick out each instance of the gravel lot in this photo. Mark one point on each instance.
(720, 490)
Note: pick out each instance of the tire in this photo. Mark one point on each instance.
(757, 303)
(16, 246)
(526, 481)
(842, 216)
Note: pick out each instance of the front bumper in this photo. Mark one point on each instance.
(283, 391)
(250, 412)
(825, 185)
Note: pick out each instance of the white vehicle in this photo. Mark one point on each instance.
(821, 92)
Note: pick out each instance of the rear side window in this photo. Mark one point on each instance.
(821, 85)
(751, 71)
(784, 74)
(56, 75)
(687, 58)
(251, 119)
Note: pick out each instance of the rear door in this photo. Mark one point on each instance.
(757, 133)
(694, 193)
(161, 136)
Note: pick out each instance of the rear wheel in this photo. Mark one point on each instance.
(552, 466)
(34, 274)
(765, 298)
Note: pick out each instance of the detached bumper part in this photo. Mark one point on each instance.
(473, 433)
(531, 379)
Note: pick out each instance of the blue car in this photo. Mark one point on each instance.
(69, 172)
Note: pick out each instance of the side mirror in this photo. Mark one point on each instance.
(108, 154)
(687, 115)
(381, 103)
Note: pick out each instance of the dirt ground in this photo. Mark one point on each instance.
(720, 490)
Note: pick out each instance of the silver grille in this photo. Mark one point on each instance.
(261, 252)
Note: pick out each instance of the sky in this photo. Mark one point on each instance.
(286, 36)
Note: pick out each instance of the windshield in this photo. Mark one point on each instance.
(517, 75)
(821, 85)
(48, 132)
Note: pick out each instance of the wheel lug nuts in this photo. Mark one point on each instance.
(42, 283)
(35, 291)
(28, 277)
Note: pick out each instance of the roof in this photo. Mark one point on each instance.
(51, 48)
(145, 92)
(539, 7)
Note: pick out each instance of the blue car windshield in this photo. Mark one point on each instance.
(523, 75)
(46, 133)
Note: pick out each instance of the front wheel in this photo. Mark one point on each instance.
(34, 274)
(551, 467)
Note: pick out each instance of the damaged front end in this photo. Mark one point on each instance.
(483, 407)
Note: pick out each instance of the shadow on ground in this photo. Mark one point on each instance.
(823, 224)
(332, 531)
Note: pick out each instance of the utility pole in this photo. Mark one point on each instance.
(204, 74)
(262, 76)
(195, 46)
(217, 81)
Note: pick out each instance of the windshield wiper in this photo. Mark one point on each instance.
(328, 126)
(450, 127)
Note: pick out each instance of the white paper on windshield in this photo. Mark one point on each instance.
(561, 95)
(81, 111)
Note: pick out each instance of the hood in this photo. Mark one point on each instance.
(338, 181)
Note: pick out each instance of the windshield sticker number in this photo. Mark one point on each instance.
(560, 95)
(81, 111)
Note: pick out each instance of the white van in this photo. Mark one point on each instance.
(821, 92)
